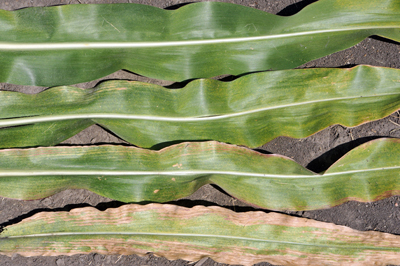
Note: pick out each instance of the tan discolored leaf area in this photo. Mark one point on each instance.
(193, 233)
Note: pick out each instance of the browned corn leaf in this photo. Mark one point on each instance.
(190, 234)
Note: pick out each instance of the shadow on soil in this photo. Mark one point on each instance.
(174, 7)
(295, 8)
(382, 39)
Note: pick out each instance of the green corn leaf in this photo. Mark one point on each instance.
(41, 134)
(130, 174)
(251, 110)
(191, 234)
(70, 44)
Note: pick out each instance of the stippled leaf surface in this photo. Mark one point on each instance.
(70, 44)
(129, 174)
(251, 110)
(190, 234)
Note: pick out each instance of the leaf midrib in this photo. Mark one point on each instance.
(104, 45)
(8, 122)
(6, 173)
(196, 236)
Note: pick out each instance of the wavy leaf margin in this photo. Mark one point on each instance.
(251, 110)
(129, 174)
(191, 234)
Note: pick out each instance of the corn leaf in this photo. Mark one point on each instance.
(182, 233)
(41, 134)
(251, 110)
(130, 174)
(70, 44)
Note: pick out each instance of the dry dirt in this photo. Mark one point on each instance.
(316, 152)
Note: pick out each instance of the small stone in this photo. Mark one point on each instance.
(60, 262)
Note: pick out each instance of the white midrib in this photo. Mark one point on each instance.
(193, 235)
(105, 45)
(41, 119)
(10, 173)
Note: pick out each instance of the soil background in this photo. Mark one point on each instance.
(316, 152)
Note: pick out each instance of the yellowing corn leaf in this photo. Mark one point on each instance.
(367, 173)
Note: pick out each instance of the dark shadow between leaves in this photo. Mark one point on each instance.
(383, 39)
(333, 67)
(179, 85)
(176, 6)
(295, 8)
(348, 66)
(91, 144)
(230, 78)
(36, 6)
(323, 162)
(260, 150)
(193, 203)
(166, 144)
(111, 79)
(183, 84)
